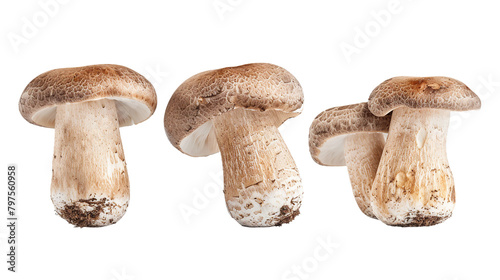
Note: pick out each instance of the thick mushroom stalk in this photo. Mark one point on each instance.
(362, 152)
(90, 185)
(414, 184)
(236, 110)
(262, 185)
(86, 106)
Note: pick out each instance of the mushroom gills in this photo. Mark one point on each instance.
(201, 142)
(90, 185)
(362, 152)
(129, 111)
(414, 184)
(262, 185)
(332, 151)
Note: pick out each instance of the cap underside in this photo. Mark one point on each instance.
(202, 141)
(331, 153)
(129, 112)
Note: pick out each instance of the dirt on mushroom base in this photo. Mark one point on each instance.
(420, 219)
(274, 208)
(77, 214)
(286, 215)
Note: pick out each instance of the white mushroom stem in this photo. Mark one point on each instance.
(362, 152)
(90, 185)
(414, 184)
(262, 185)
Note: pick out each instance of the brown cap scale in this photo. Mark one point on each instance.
(351, 136)
(86, 106)
(237, 111)
(414, 184)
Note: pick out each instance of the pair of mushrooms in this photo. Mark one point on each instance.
(406, 180)
(235, 110)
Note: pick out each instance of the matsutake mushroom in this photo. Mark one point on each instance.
(86, 106)
(414, 185)
(237, 111)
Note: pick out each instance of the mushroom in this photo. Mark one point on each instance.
(351, 135)
(238, 110)
(86, 106)
(414, 184)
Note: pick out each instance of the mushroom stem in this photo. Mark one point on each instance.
(414, 184)
(362, 152)
(262, 185)
(90, 185)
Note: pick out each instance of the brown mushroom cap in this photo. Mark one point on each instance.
(134, 95)
(329, 128)
(422, 92)
(210, 94)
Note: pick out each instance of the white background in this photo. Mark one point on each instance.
(170, 41)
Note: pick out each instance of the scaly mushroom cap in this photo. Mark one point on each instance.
(422, 92)
(329, 128)
(134, 95)
(210, 94)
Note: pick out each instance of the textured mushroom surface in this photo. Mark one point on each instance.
(422, 92)
(362, 155)
(262, 185)
(337, 122)
(414, 185)
(237, 111)
(86, 106)
(351, 136)
(135, 96)
(201, 98)
(90, 185)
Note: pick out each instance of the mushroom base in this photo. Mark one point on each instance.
(262, 185)
(90, 185)
(362, 153)
(93, 212)
(414, 184)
